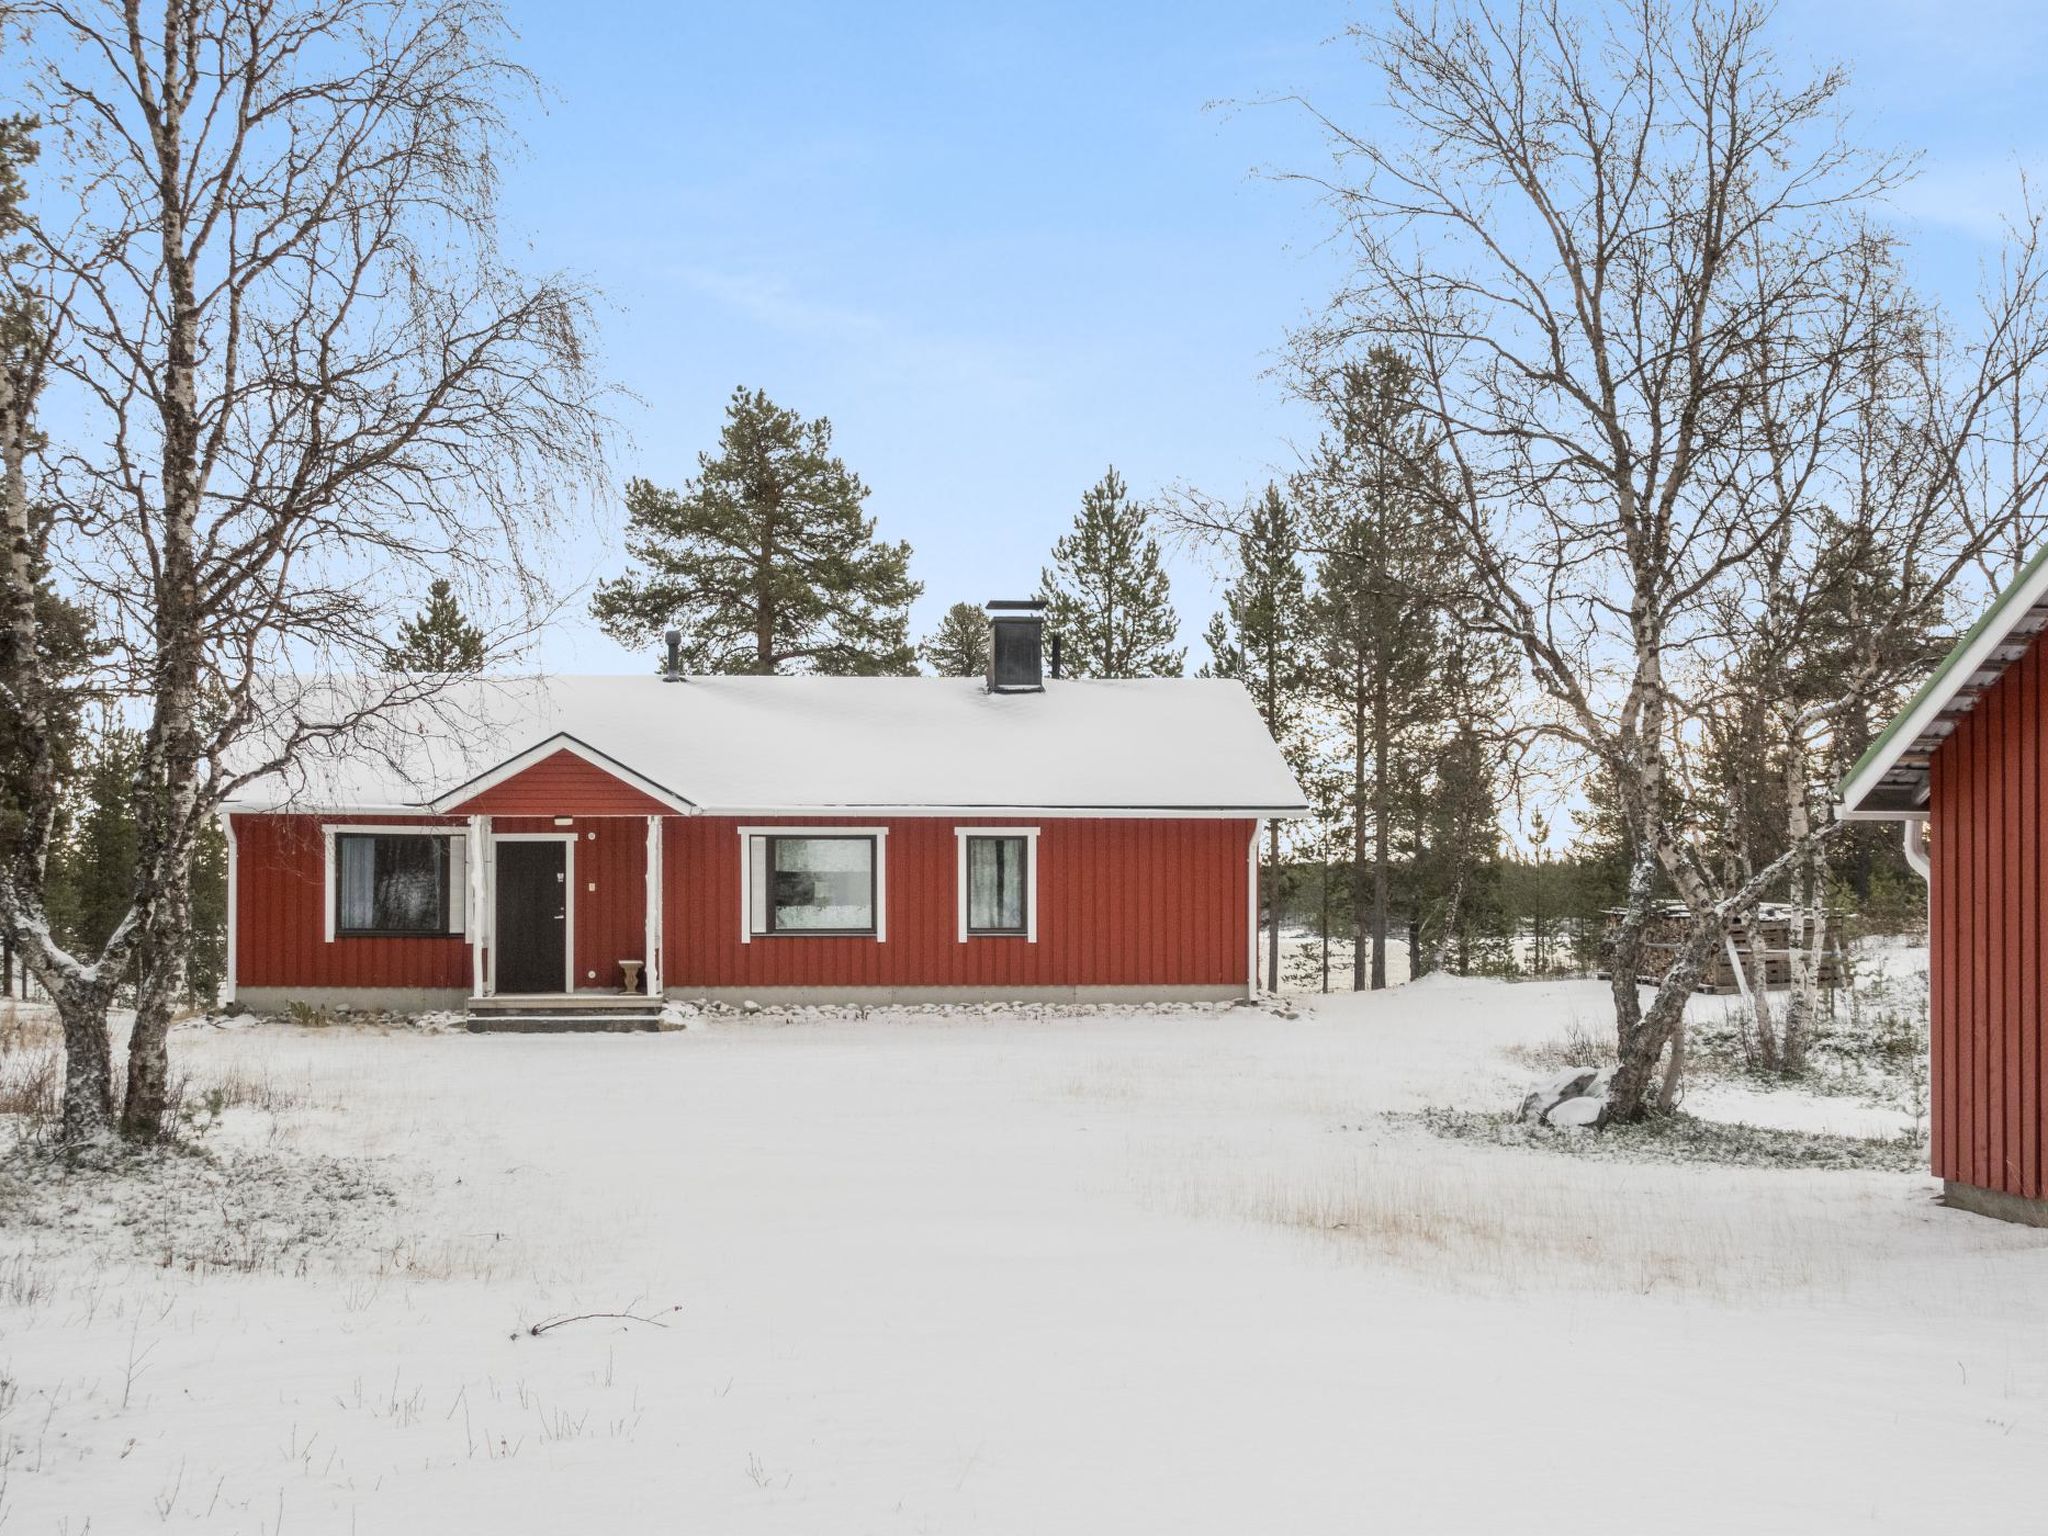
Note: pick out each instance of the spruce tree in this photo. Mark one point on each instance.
(1106, 592)
(441, 639)
(91, 867)
(959, 646)
(1260, 638)
(766, 559)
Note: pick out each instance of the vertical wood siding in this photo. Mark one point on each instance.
(562, 785)
(281, 916)
(280, 900)
(1121, 901)
(1987, 921)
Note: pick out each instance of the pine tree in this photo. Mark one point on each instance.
(441, 639)
(766, 560)
(1260, 638)
(959, 646)
(1106, 591)
(1381, 616)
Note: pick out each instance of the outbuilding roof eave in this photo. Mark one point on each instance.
(1889, 782)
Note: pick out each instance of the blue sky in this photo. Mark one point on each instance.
(1002, 249)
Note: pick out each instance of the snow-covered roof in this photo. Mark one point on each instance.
(768, 745)
(1890, 780)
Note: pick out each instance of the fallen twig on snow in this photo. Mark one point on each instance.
(584, 1317)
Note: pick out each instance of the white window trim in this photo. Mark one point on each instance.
(569, 902)
(458, 883)
(1030, 836)
(879, 834)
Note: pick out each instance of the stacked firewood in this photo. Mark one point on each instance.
(1767, 935)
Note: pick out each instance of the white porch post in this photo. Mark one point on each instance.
(1251, 972)
(227, 990)
(479, 906)
(651, 967)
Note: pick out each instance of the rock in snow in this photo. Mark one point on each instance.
(1568, 1084)
(1582, 1112)
(1575, 1097)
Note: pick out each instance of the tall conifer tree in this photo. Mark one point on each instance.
(1380, 616)
(766, 560)
(1106, 592)
(1260, 638)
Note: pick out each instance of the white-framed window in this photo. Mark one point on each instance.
(813, 882)
(396, 882)
(996, 881)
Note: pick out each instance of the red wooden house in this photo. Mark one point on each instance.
(781, 839)
(1965, 768)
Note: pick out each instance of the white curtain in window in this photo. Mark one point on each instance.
(356, 901)
(995, 884)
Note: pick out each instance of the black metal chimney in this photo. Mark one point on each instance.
(672, 667)
(1016, 648)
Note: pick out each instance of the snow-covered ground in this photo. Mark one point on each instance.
(1169, 1271)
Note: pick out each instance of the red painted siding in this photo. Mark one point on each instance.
(563, 785)
(1988, 920)
(1120, 902)
(281, 916)
(281, 920)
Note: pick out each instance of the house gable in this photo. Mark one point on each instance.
(558, 779)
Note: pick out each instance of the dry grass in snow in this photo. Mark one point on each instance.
(1199, 1271)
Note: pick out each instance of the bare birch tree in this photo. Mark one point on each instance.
(294, 377)
(1892, 502)
(1603, 237)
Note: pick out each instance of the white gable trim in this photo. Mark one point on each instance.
(561, 741)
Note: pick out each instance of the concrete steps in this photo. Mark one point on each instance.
(585, 1014)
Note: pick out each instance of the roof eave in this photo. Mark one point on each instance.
(1959, 670)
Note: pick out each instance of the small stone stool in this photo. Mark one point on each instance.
(632, 970)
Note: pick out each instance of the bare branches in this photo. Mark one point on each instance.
(1699, 433)
(307, 381)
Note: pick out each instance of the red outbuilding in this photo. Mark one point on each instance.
(1965, 768)
(536, 845)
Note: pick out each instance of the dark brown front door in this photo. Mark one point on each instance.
(533, 917)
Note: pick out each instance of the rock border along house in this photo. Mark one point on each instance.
(556, 842)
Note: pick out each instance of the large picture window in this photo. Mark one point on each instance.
(813, 884)
(391, 885)
(998, 876)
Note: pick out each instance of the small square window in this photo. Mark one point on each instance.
(998, 885)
